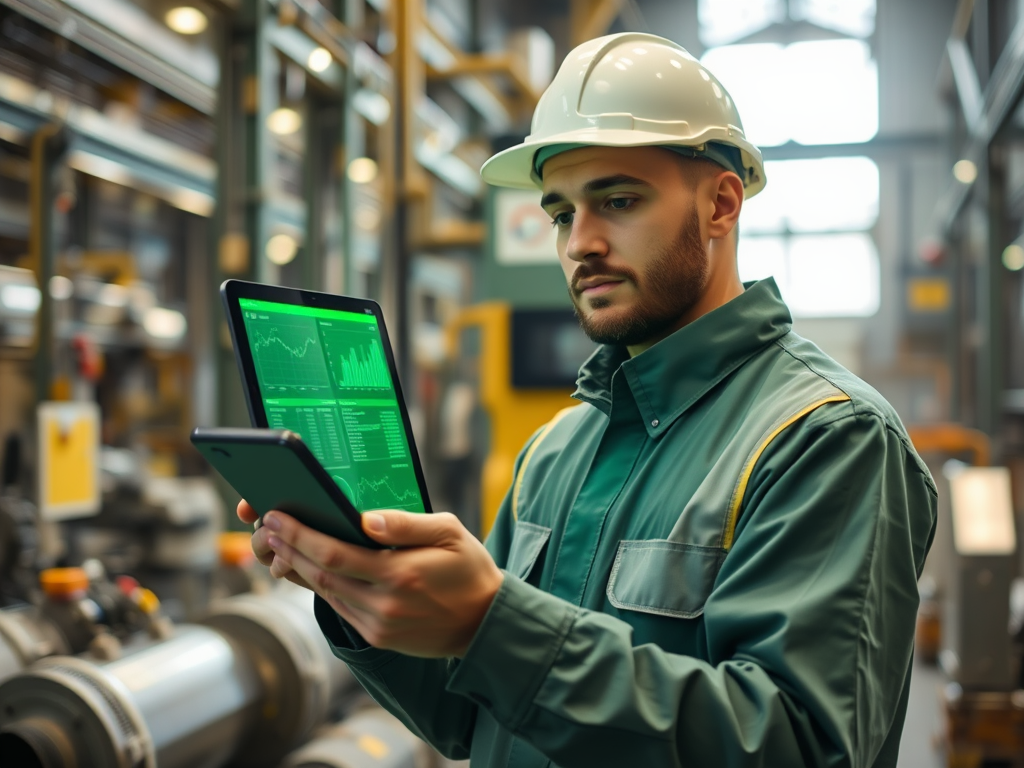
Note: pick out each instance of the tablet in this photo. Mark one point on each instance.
(321, 366)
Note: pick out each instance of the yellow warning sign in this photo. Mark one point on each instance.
(69, 457)
(928, 294)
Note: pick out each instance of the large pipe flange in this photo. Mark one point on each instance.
(303, 682)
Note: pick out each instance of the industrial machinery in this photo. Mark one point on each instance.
(251, 684)
(368, 738)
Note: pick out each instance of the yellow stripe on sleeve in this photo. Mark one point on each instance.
(748, 470)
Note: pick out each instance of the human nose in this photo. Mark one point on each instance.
(586, 238)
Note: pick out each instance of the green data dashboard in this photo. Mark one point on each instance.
(322, 373)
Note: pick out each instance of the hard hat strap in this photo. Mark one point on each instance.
(726, 156)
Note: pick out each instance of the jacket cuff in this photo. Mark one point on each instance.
(347, 644)
(513, 650)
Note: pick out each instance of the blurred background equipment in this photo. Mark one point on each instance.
(149, 149)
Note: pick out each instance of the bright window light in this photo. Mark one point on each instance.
(820, 92)
(754, 75)
(20, 298)
(818, 275)
(824, 195)
(835, 98)
(723, 21)
(850, 17)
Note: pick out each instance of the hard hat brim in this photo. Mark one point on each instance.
(513, 167)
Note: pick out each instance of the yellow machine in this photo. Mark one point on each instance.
(514, 411)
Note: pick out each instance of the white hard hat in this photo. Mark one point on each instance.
(631, 90)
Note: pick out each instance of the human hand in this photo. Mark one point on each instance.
(262, 549)
(426, 598)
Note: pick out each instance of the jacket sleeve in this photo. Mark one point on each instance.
(809, 628)
(414, 689)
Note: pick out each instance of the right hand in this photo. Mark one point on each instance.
(262, 549)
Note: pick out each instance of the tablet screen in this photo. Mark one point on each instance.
(322, 373)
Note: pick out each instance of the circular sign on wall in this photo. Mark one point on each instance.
(523, 231)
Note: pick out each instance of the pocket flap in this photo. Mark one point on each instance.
(528, 540)
(663, 577)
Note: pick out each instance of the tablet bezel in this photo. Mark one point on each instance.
(233, 290)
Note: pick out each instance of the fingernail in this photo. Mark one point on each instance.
(274, 542)
(272, 522)
(375, 523)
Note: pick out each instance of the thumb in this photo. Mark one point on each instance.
(409, 529)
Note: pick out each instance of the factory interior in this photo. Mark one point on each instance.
(152, 149)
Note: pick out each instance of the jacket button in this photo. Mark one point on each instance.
(655, 423)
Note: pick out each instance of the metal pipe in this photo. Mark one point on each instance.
(247, 688)
(185, 702)
(368, 739)
(26, 637)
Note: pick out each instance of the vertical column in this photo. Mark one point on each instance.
(49, 145)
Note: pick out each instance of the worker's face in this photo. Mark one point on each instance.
(629, 239)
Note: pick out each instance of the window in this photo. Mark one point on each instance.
(810, 227)
(817, 92)
(726, 21)
(813, 237)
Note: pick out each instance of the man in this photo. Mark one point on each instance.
(712, 561)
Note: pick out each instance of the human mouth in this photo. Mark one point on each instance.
(595, 286)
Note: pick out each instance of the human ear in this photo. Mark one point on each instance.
(727, 194)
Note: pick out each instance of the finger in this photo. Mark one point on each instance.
(357, 619)
(325, 551)
(353, 592)
(280, 568)
(261, 548)
(410, 529)
(245, 512)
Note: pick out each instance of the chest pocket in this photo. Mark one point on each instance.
(528, 542)
(662, 577)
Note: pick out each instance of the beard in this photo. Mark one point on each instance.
(669, 287)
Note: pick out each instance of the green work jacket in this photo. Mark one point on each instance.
(712, 561)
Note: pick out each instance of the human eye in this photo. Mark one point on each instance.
(563, 219)
(621, 203)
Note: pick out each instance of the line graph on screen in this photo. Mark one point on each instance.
(287, 352)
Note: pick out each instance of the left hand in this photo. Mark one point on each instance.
(426, 598)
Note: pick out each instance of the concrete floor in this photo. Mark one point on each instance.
(918, 748)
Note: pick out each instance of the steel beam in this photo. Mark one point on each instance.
(48, 150)
(108, 45)
(1001, 97)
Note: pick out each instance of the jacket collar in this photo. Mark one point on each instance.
(671, 376)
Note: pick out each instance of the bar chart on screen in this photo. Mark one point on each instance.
(357, 360)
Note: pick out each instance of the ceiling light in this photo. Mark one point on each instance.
(281, 249)
(284, 121)
(362, 170)
(965, 171)
(186, 20)
(1013, 257)
(319, 59)
(163, 323)
(61, 288)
